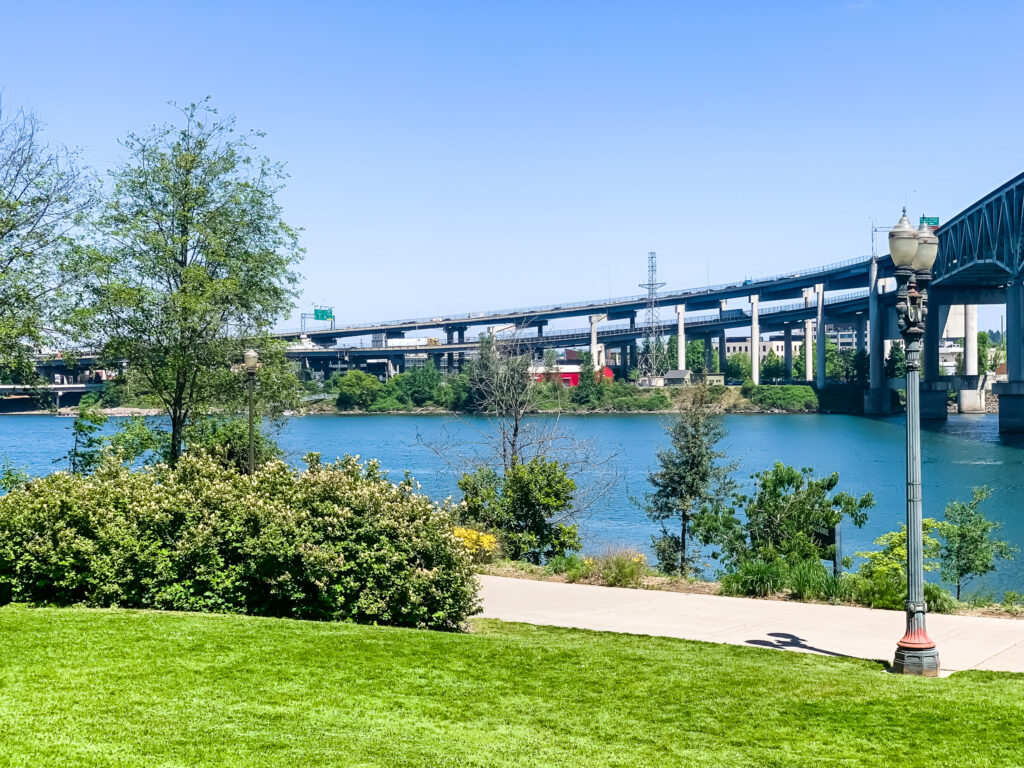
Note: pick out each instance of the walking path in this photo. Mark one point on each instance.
(964, 642)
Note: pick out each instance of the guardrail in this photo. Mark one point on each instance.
(437, 321)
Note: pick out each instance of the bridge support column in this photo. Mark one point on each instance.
(1011, 394)
(820, 338)
(723, 355)
(681, 337)
(634, 358)
(787, 352)
(934, 397)
(808, 340)
(462, 355)
(450, 366)
(708, 355)
(877, 400)
(971, 400)
(755, 342)
(596, 350)
(862, 341)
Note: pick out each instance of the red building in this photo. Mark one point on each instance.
(568, 374)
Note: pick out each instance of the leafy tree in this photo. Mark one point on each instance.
(896, 362)
(882, 577)
(524, 507)
(45, 196)
(968, 547)
(87, 444)
(420, 384)
(836, 366)
(738, 366)
(672, 353)
(194, 266)
(786, 517)
(690, 483)
(773, 367)
(588, 391)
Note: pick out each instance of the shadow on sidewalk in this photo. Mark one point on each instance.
(788, 642)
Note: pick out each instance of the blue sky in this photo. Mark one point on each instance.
(466, 156)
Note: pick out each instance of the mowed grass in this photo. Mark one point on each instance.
(122, 688)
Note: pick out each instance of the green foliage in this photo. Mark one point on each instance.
(969, 548)
(896, 362)
(191, 244)
(524, 507)
(882, 578)
(573, 567)
(87, 444)
(690, 482)
(792, 398)
(45, 197)
(621, 568)
(356, 389)
(773, 367)
(747, 388)
(227, 441)
(420, 384)
(738, 366)
(788, 515)
(837, 365)
(334, 542)
(755, 577)
(806, 579)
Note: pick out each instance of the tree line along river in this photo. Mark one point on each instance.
(868, 454)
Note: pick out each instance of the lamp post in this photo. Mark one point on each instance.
(913, 253)
(251, 359)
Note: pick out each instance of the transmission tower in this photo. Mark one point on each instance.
(651, 353)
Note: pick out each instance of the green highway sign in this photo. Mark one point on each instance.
(931, 221)
(323, 313)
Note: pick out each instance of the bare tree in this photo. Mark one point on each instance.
(514, 420)
(45, 197)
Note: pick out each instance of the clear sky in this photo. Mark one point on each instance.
(468, 156)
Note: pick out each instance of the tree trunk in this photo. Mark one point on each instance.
(177, 437)
(684, 569)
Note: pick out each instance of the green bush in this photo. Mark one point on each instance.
(621, 568)
(793, 398)
(939, 600)
(747, 387)
(716, 392)
(227, 440)
(573, 567)
(839, 588)
(758, 578)
(333, 542)
(806, 580)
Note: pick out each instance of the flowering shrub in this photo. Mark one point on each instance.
(333, 542)
(481, 546)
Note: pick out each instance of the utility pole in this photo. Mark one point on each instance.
(650, 355)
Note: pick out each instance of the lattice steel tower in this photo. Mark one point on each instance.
(652, 352)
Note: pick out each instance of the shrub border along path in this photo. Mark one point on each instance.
(964, 642)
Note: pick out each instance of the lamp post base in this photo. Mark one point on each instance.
(916, 661)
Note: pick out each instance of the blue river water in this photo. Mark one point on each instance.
(867, 453)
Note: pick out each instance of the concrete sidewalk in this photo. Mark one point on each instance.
(964, 642)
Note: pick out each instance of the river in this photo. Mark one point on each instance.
(867, 453)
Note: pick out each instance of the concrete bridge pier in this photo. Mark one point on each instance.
(1011, 393)
(596, 350)
(971, 400)
(934, 397)
(755, 341)
(462, 355)
(877, 400)
(787, 352)
(723, 354)
(681, 337)
(820, 337)
(808, 337)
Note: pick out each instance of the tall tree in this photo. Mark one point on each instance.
(45, 197)
(195, 266)
(690, 483)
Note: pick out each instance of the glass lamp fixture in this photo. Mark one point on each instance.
(903, 241)
(251, 358)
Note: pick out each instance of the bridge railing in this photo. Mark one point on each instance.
(596, 303)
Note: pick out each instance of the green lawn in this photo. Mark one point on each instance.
(117, 688)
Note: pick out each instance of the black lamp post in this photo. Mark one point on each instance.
(251, 360)
(913, 253)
